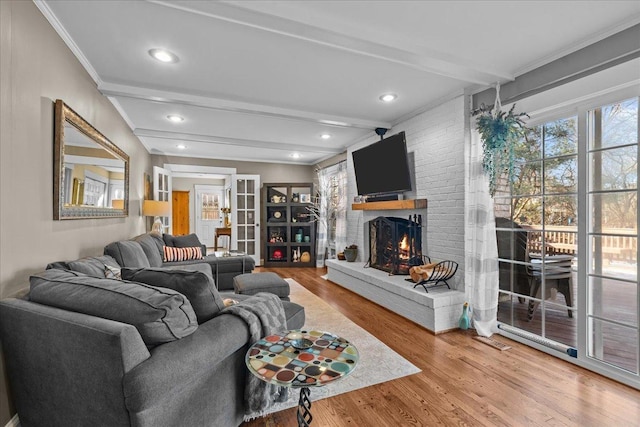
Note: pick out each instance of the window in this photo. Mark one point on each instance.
(210, 208)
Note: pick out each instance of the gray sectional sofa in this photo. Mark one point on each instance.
(85, 348)
(146, 251)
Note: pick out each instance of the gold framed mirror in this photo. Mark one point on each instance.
(90, 173)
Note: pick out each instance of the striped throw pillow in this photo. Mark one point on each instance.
(181, 254)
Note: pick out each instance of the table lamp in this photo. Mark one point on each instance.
(157, 209)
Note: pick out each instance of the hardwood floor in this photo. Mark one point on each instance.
(463, 381)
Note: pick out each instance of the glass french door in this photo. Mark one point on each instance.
(612, 329)
(245, 215)
(162, 192)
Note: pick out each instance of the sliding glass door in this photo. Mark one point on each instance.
(612, 291)
(537, 231)
(567, 233)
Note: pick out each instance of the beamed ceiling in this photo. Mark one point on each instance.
(262, 80)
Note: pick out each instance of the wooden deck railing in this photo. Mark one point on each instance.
(619, 244)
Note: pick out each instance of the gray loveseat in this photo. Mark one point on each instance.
(89, 350)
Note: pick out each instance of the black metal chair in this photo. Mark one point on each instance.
(512, 245)
(523, 276)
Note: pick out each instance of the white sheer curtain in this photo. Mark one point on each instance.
(481, 249)
(322, 210)
(340, 198)
(332, 209)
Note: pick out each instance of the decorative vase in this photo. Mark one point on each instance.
(464, 321)
(350, 254)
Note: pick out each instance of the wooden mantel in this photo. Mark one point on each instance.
(391, 205)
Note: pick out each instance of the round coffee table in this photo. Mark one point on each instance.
(302, 358)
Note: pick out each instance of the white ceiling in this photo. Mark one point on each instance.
(260, 80)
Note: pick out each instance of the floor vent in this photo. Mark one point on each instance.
(493, 343)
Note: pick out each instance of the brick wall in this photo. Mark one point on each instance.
(435, 142)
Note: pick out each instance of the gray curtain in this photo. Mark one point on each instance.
(481, 250)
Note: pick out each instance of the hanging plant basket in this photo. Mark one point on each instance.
(499, 131)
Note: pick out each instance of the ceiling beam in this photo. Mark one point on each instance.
(178, 136)
(614, 50)
(432, 62)
(156, 95)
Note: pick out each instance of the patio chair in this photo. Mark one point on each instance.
(512, 245)
(557, 275)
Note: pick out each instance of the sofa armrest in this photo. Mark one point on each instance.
(66, 368)
(174, 366)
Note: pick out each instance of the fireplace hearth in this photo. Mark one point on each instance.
(395, 244)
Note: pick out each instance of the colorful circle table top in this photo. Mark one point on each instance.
(302, 358)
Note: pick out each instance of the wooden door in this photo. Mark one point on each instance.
(180, 212)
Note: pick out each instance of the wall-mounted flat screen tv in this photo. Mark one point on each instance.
(383, 167)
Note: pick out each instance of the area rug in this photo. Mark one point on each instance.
(378, 363)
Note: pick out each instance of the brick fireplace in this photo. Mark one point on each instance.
(438, 310)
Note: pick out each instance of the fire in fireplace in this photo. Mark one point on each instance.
(395, 244)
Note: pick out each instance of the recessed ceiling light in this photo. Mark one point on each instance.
(181, 146)
(175, 118)
(325, 136)
(163, 55)
(388, 97)
(295, 155)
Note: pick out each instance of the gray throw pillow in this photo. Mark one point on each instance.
(197, 286)
(93, 266)
(128, 253)
(152, 247)
(161, 315)
(168, 240)
(188, 241)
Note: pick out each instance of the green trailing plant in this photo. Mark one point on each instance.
(499, 131)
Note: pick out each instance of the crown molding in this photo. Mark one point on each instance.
(64, 35)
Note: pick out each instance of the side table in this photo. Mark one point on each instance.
(302, 359)
(221, 231)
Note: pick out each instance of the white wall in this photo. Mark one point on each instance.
(435, 142)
